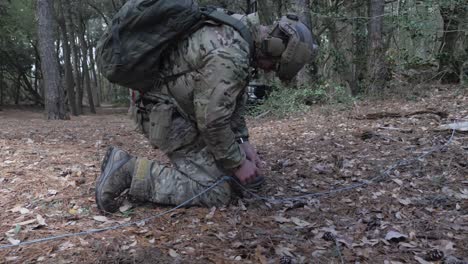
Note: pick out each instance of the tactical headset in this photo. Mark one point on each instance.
(291, 42)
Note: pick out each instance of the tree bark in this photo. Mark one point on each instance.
(449, 63)
(359, 66)
(308, 74)
(76, 56)
(97, 88)
(54, 99)
(265, 12)
(67, 60)
(1, 87)
(84, 51)
(376, 64)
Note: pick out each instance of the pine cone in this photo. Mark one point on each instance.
(285, 260)
(329, 236)
(434, 255)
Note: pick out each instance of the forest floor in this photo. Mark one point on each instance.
(416, 213)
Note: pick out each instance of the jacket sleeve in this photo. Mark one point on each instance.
(219, 84)
(238, 124)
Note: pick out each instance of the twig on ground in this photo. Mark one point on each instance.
(263, 114)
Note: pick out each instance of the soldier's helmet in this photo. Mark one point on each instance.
(292, 44)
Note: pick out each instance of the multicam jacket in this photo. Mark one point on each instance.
(215, 60)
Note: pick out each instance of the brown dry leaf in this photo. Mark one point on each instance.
(66, 245)
(101, 218)
(211, 214)
(284, 251)
(259, 255)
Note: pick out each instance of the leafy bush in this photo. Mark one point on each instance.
(284, 100)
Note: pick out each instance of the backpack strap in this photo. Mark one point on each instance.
(221, 17)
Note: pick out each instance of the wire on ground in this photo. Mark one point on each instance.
(378, 178)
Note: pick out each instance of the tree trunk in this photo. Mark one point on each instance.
(54, 99)
(67, 60)
(97, 88)
(76, 56)
(307, 75)
(376, 64)
(265, 12)
(84, 51)
(449, 63)
(359, 66)
(17, 90)
(250, 6)
(1, 87)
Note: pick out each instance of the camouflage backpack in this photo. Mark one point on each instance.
(129, 53)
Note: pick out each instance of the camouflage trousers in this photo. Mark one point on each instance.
(194, 169)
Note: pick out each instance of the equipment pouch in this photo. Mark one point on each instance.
(160, 124)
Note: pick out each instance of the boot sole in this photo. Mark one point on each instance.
(104, 176)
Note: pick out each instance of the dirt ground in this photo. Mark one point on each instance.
(418, 213)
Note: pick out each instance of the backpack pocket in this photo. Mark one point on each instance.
(160, 124)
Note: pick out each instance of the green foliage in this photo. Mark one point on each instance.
(284, 100)
(120, 97)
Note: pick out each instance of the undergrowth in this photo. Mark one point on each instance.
(285, 100)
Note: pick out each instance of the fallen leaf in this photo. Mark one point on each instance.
(210, 215)
(421, 260)
(125, 206)
(40, 220)
(66, 245)
(73, 211)
(283, 251)
(395, 236)
(259, 255)
(24, 211)
(52, 192)
(190, 250)
(173, 253)
(281, 219)
(100, 218)
(28, 222)
(406, 201)
(14, 241)
(398, 181)
(300, 223)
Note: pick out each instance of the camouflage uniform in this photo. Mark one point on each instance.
(196, 118)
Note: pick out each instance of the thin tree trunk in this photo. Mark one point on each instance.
(307, 75)
(76, 57)
(265, 12)
(67, 60)
(84, 51)
(1, 87)
(359, 48)
(449, 64)
(54, 99)
(376, 64)
(97, 88)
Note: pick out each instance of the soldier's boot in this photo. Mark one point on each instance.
(116, 176)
